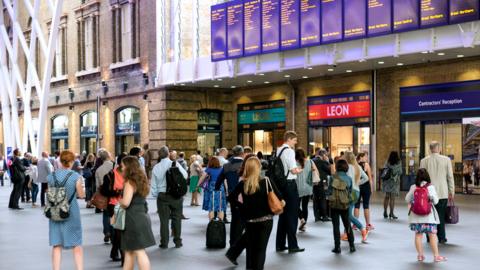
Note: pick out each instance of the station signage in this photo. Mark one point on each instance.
(250, 27)
(450, 97)
(339, 106)
(273, 115)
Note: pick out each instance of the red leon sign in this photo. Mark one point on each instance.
(339, 110)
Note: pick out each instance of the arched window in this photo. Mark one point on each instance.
(59, 133)
(127, 129)
(88, 132)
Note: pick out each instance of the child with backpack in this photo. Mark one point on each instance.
(422, 216)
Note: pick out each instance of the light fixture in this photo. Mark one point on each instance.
(216, 86)
(125, 86)
(460, 56)
(310, 68)
(261, 74)
(330, 69)
(425, 52)
(105, 87)
(286, 76)
(441, 54)
(381, 62)
(145, 97)
(145, 79)
(266, 82)
(249, 81)
(219, 80)
(88, 92)
(182, 84)
(399, 64)
(105, 102)
(57, 99)
(233, 87)
(71, 94)
(71, 107)
(349, 71)
(305, 77)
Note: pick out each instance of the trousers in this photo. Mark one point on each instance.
(344, 215)
(441, 208)
(169, 208)
(288, 220)
(15, 195)
(257, 234)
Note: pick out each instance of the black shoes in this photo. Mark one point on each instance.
(296, 250)
(392, 216)
(106, 238)
(116, 259)
(178, 245)
(442, 241)
(231, 259)
(385, 216)
(281, 249)
(163, 246)
(337, 250)
(352, 249)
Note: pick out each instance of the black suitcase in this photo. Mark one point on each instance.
(216, 232)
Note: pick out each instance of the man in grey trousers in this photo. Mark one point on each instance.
(44, 168)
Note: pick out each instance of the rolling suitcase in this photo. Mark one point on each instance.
(216, 232)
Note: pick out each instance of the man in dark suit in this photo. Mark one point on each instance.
(17, 171)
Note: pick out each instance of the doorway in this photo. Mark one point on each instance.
(340, 139)
(208, 143)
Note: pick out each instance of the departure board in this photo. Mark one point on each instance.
(379, 17)
(289, 24)
(405, 15)
(252, 14)
(309, 22)
(332, 21)
(218, 30)
(463, 10)
(235, 28)
(433, 13)
(270, 25)
(354, 19)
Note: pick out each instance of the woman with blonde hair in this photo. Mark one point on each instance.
(253, 191)
(138, 234)
(358, 175)
(67, 234)
(195, 172)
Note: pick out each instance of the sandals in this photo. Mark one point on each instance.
(420, 258)
(439, 259)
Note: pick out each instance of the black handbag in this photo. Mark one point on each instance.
(386, 174)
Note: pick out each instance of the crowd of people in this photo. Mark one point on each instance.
(238, 180)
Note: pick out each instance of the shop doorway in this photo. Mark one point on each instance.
(340, 139)
(265, 141)
(88, 132)
(208, 143)
(209, 137)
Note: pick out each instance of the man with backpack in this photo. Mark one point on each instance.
(17, 171)
(284, 173)
(167, 186)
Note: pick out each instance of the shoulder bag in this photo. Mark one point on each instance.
(118, 218)
(273, 202)
(451, 214)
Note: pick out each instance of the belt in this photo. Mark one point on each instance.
(260, 219)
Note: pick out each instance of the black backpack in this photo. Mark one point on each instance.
(277, 171)
(106, 189)
(176, 183)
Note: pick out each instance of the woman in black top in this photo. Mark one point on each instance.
(251, 193)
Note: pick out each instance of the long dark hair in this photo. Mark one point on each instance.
(135, 175)
(394, 158)
(300, 156)
(422, 175)
(242, 168)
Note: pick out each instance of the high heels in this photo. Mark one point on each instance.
(385, 216)
(392, 216)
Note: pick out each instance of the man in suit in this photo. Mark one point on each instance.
(18, 179)
(439, 168)
(44, 168)
(3, 169)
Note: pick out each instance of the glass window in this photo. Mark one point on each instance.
(60, 122)
(89, 119)
(128, 115)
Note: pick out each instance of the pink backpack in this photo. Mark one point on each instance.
(421, 205)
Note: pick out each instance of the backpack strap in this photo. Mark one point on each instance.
(279, 155)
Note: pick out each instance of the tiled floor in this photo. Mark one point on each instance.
(24, 243)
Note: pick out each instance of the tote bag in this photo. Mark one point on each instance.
(273, 202)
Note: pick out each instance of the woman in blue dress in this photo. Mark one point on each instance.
(213, 200)
(67, 234)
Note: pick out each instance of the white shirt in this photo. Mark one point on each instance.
(351, 173)
(222, 160)
(159, 172)
(288, 160)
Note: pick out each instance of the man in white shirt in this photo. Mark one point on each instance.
(439, 168)
(288, 221)
(168, 207)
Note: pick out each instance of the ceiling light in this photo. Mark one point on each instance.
(233, 86)
(349, 71)
(399, 64)
(310, 68)
(425, 52)
(460, 56)
(330, 69)
(182, 84)
(286, 76)
(267, 82)
(440, 54)
(261, 74)
(219, 80)
(216, 86)
(249, 81)
(381, 62)
(305, 77)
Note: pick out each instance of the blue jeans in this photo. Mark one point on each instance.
(353, 219)
(34, 192)
(107, 228)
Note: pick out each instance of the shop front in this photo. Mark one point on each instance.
(209, 131)
(88, 132)
(59, 133)
(339, 123)
(262, 125)
(449, 114)
(127, 129)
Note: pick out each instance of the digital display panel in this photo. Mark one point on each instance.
(354, 19)
(405, 15)
(310, 22)
(235, 29)
(290, 24)
(252, 14)
(218, 15)
(463, 10)
(379, 17)
(433, 13)
(270, 25)
(332, 21)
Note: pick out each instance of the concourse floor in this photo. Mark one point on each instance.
(24, 243)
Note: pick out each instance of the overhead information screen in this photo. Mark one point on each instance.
(354, 19)
(290, 24)
(252, 14)
(235, 29)
(433, 13)
(218, 30)
(379, 17)
(405, 15)
(463, 10)
(332, 21)
(309, 22)
(270, 25)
